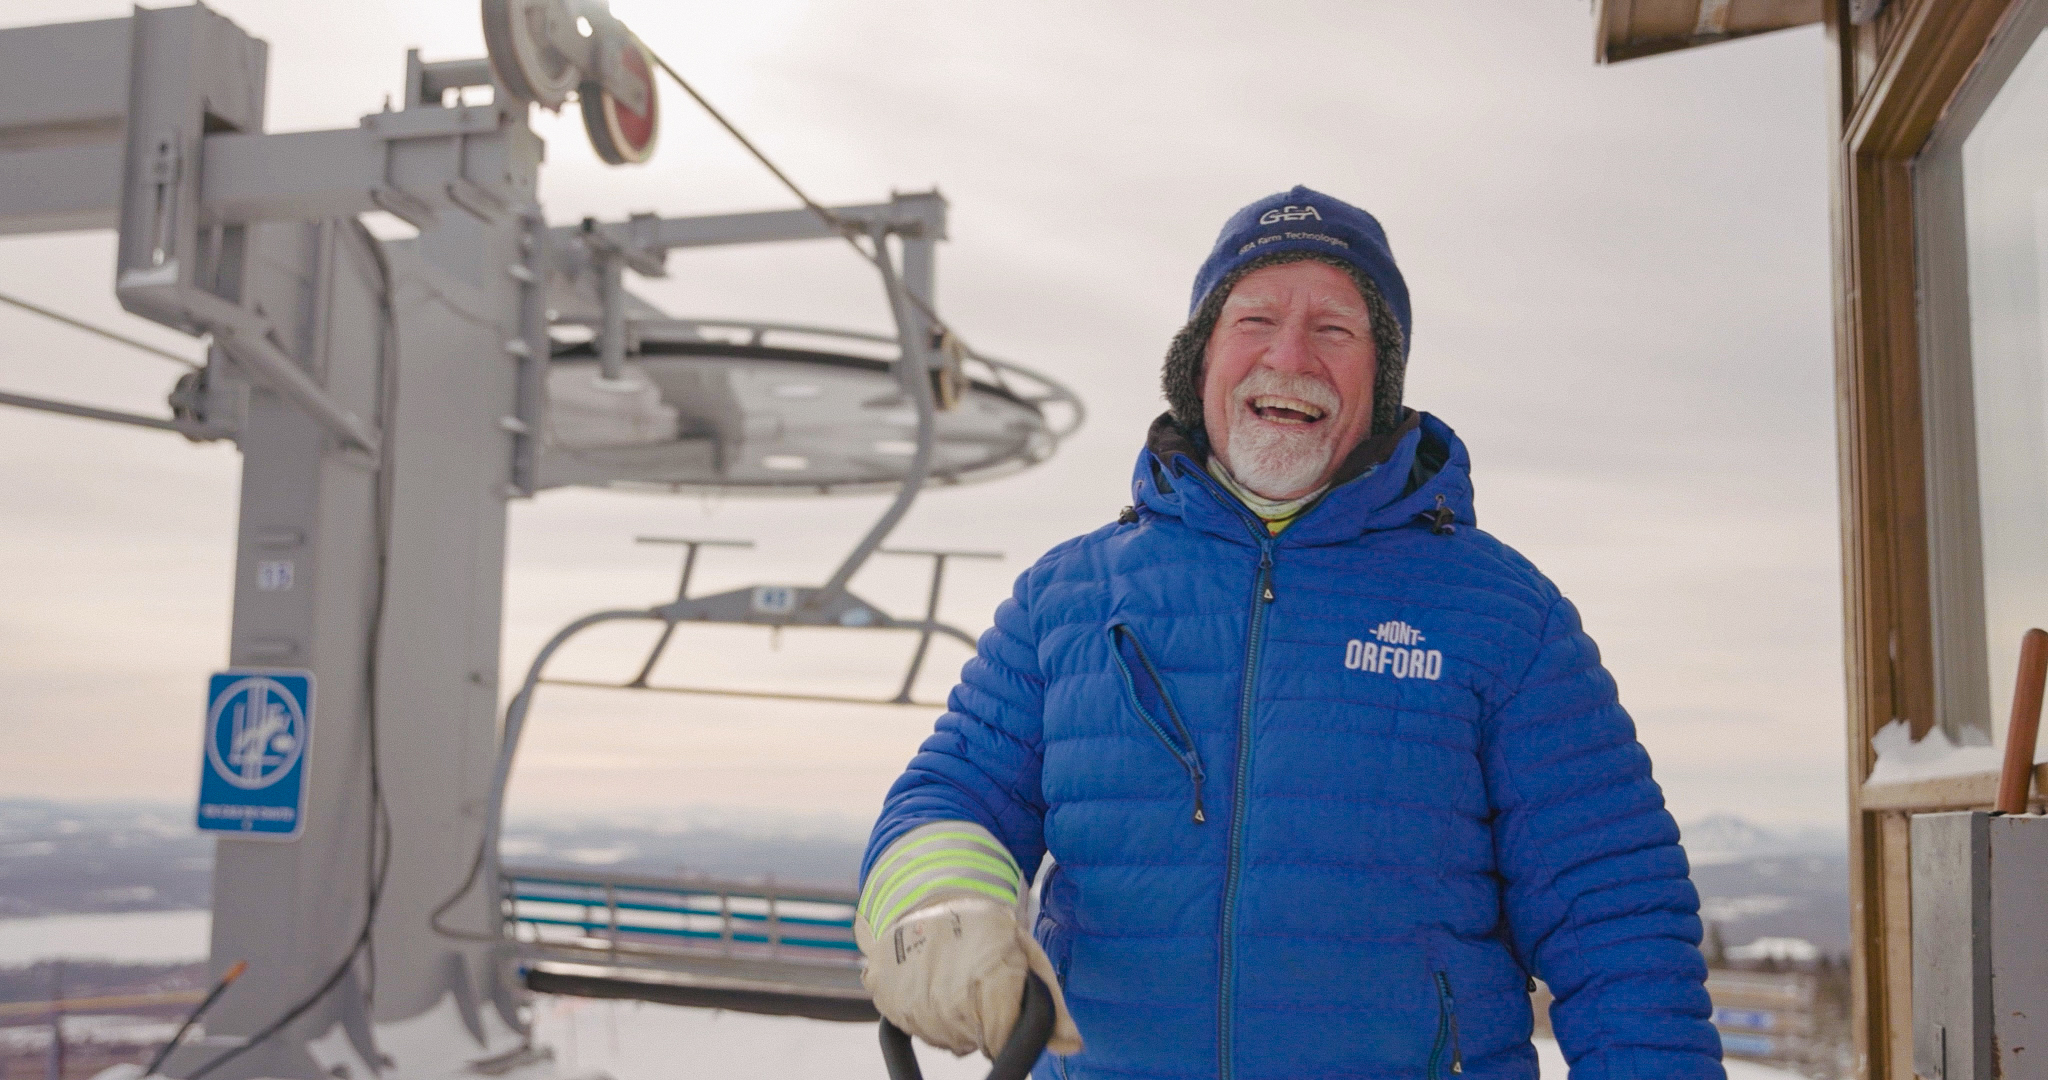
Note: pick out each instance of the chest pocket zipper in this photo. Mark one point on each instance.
(1147, 694)
(1446, 1031)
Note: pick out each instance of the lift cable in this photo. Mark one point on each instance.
(811, 204)
(58, 316)
(850, 230)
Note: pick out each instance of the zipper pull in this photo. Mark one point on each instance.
(1269, 592)
(1441, 518)
(1451, 1013)
(1266, 571)
(1199, 816)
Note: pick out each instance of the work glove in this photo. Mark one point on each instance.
(946, 953)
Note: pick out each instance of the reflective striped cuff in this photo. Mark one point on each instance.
(942, 856)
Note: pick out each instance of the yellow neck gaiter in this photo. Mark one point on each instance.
(1277, 515)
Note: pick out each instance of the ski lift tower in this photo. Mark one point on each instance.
(389, 398)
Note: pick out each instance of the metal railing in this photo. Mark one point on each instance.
(623, 913)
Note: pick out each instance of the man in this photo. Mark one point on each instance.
(1328, 775)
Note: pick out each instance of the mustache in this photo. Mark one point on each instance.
(1301, 387)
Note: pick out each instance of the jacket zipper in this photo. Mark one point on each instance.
(1446, 1029)
(1262, 594)
(1190, 759)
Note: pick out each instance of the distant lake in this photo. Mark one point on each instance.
(141, 937)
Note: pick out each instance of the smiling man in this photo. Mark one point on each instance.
(1327, 775)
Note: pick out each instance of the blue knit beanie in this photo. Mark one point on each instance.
(1297, 224)
(1305, 220)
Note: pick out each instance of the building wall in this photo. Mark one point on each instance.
(1895, 75)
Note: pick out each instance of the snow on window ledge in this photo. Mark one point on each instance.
(1900, 759)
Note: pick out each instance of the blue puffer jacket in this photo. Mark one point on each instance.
(1322, 803)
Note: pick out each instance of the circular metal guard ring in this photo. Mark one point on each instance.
(773, 409)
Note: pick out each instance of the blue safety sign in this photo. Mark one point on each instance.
(1744, 1019)
(258, 726)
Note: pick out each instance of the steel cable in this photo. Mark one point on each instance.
(80, 324)
(847, 229)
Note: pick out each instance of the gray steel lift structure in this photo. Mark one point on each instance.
(389, 398)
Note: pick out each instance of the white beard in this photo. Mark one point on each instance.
(1275, 460)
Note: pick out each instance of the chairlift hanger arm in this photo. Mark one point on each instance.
(913, 370)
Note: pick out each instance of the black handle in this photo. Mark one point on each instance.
(1013, 1062)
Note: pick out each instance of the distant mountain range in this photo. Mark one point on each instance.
(62, 857)
(1759, 883)
(59, 857)
(1725, 838)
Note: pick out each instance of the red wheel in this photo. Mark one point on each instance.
(620, 135)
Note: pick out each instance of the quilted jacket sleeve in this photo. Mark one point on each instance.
(1597, 890)
(983, 760)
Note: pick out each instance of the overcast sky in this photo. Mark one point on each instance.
(1620, 282)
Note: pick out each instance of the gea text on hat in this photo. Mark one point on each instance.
(1289, 213)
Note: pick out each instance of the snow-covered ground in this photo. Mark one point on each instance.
(638, 1041)
(626, 1040)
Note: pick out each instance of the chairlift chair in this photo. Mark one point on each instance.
(643, 401)
(781, 605)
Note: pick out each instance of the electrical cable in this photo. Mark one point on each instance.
(80, 324)
(476, 866)
(378, 865)
(380, 501)
(340, 971)
(227, 979)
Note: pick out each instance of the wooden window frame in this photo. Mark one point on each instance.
(1894, 80)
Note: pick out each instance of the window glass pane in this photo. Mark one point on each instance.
(2005, 210)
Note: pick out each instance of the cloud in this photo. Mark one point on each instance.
(1621, 286)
